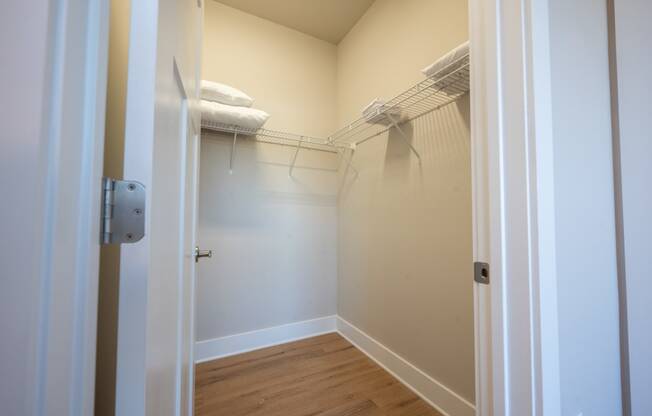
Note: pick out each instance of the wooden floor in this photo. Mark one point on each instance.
(325, 376)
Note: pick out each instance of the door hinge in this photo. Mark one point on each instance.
(123, 211)
(481, 272)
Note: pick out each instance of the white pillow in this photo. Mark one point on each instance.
(214, 91)
(447, 63)
(248, 118)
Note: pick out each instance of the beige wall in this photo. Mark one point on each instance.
(107, 324)
(274, 236)
(291, 75)
(386, 50)
(405, 236)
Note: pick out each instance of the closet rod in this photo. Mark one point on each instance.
(275, 137)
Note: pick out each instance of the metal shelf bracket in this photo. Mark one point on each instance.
(403, 135)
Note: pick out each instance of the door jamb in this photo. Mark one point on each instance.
(65, 351)
(513, 194)
(480, 189)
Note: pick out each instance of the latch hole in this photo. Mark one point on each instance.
(481, 273)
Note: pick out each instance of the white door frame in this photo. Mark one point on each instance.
(130, 389)
(78, 342)
(517, 327)
(512, 192)
(480, 210)
(58, 60)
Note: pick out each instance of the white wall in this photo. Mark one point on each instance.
(585, 218)
(634, 140)
(405, 237)
(273, 236)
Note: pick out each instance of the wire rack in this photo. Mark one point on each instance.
(273, 137)
(426, 96)
(431, 94)
(298, 142)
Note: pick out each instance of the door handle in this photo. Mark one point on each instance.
(202, 253)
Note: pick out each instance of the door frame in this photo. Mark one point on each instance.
(517, 352)
(80, 338)
(130, 390)
(511, 133)
(68, 53)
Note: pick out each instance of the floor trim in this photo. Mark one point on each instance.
(432, 391)
(213, 349)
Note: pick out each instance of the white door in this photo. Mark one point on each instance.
(631, 33)
(52, 107)
(154, 371)
(187, 282)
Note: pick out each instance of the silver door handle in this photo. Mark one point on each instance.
(202, 253)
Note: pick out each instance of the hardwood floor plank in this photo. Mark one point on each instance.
(319, 376)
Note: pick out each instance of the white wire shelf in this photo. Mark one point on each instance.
(428, 95)
(433, 93)
(273, 136)
(299, 142)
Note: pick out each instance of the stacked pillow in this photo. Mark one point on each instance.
(224, 104)
(224, 94)
(446, 70)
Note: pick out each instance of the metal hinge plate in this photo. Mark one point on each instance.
(123, 211)
(481, 272)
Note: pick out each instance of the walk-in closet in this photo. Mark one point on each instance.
(334, 229)
(326, 208)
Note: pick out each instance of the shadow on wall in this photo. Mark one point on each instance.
(260, 176)
(439, 136)
(405, 234)
(399, 155)
(274, 236)
(445, 133)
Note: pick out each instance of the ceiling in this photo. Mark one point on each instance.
(329, 20)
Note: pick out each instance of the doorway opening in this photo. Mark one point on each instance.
(342, 271)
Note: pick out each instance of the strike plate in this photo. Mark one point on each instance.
(123, 216)
(481, 272)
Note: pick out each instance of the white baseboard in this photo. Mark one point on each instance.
(249, 341)
(439, 396)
